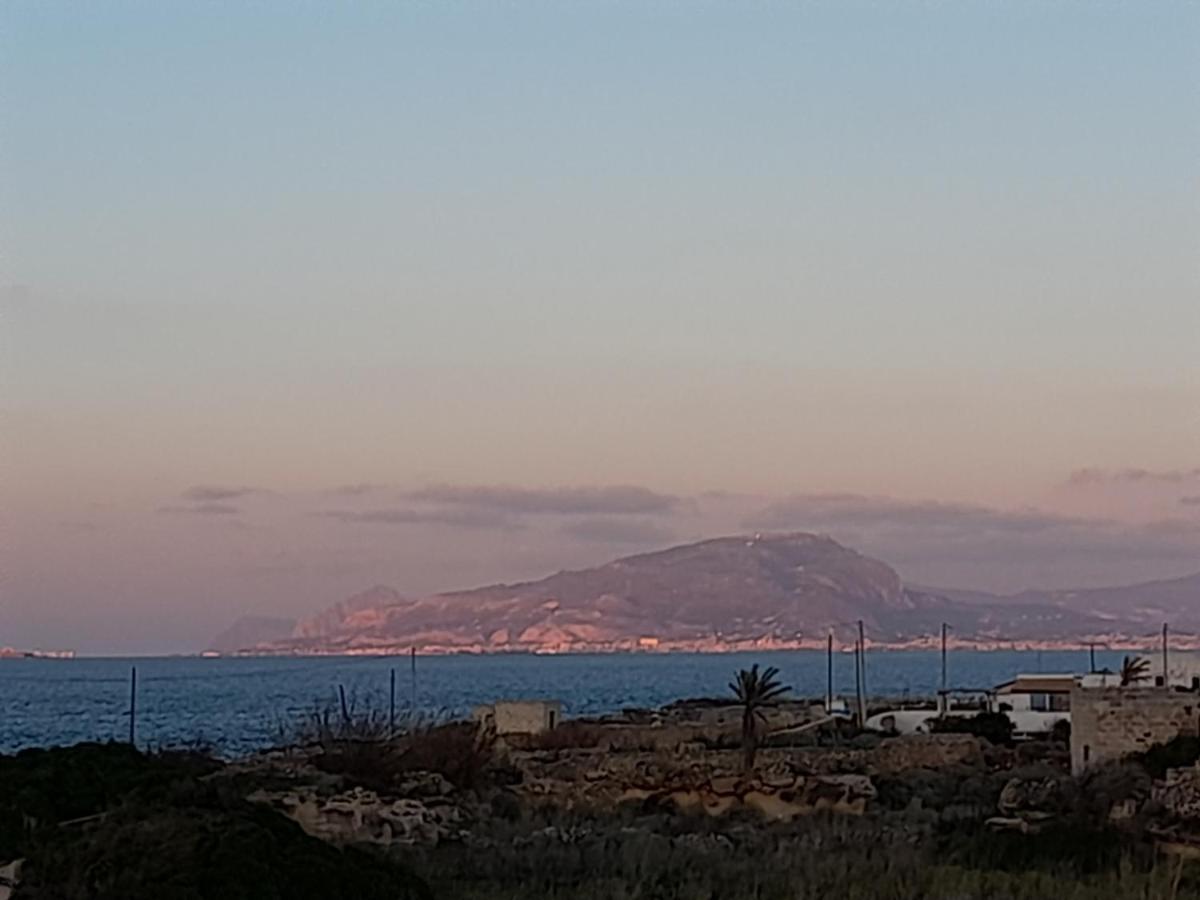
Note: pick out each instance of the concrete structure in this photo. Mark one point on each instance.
(520, 716)
(1033, 703)
(1108, 723)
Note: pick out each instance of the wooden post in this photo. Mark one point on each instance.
(392, 705)
(132, 705)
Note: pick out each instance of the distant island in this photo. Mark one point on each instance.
(776, 591)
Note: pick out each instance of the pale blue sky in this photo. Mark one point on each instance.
(916, 249)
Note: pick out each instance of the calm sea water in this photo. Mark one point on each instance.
(237, 705)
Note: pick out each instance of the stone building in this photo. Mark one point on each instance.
(520, 716)
(1108, 723)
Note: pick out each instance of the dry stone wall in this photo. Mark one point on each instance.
(1110, 723)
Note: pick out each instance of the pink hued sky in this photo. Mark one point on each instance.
(293, 303)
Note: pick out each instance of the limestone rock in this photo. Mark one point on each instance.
(360, 816)
(1179, 794)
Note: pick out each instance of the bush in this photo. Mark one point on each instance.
(1178, 753)
(105, 822)
(461, 752)
(994, 727)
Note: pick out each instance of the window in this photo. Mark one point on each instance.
(1060, 702)
(1039, 702)
(550, 717)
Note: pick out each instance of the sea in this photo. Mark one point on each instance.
(233, 706)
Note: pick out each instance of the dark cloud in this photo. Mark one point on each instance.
(451, 518)
(201, 509)
(605, 530)
(614, 500)
(1089, 477)
(1193, 500)
(211, 493)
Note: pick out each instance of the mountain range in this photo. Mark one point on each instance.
(785, 590)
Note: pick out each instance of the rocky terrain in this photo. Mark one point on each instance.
(653, 805)
(751, 591)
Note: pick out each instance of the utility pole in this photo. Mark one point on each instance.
(413, 657)
(944, 704)
(1091, 656)
(1166, 670)
(392, 705)
(132, 705)
(829, 672)
(861, 679)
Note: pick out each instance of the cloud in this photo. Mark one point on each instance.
(451, 518)
(201, 509)
(1092, 476)
(925, 532)
(203, 493)
(604, 530)
(614, 500)
(357, 490)
(825, 510)
(1193, 500)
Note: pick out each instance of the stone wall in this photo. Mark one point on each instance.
(1109, 723)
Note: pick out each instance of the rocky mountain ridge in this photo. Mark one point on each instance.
(785, 590)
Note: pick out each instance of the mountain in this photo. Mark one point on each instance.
(249, 631)
(1130, 609)
(747, 591)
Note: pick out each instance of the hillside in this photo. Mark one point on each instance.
(725, 593)
(1128, 608)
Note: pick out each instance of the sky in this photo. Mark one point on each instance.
(297, 298)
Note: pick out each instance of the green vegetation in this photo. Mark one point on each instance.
(755, 691)
(1134, 669)
(821, 858)
(1177, 753)
(104, 822)
(994, 727)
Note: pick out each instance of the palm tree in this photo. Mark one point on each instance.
(1133, 670)
(754, 691)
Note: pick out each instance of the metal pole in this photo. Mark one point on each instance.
(829, 673)
(392, 705)
(132, 704)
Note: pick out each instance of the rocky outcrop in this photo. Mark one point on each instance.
(10, 877)
(1179, 795)
(360, 816)
(776, 799)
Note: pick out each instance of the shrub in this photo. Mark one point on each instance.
(461, 752)
(1178, 753)
(994, 727)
